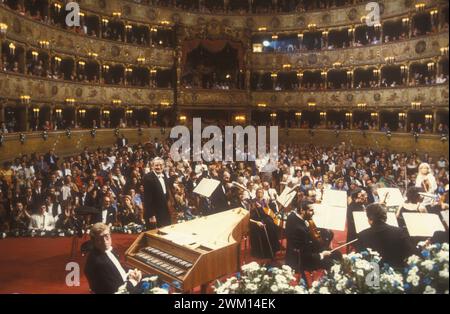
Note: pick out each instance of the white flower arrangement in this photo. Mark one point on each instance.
(350, 276)
(428, 273)
(255, 279)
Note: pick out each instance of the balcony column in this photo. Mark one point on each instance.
(27, 121)
(75, 116)
(75, 67)
(2, 113)
(24, 59)
(378, 120)
(1, 53)
(435, 120)
(407, 121)
(51, 115)
(410, 23)
(408, 73)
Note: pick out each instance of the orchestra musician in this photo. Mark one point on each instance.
(156, 196)
(305, 252)
(392, 243)
(413, 203)
(264, 234)
(359, 200)
(425, 179)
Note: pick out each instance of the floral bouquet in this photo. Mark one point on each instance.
(428, 273)
(255, 279)
(359, 273)
(131, 228)
(149, 285)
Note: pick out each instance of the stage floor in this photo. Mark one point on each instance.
(38, 265)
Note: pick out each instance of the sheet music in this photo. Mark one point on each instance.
(335, 198)
(444, 215)
(394, 199)
(330, 217)
(362, 223)
(206, 187)
(286, 199)
(422, 225)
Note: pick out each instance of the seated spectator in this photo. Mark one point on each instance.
(42, 221)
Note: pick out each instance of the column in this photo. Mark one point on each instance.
(24, 58)
(74, 70)
(379, 120)
(75, 117)
(51, 115)
(2, 113)
(407, 121)
(435, 120)
(352, 77)
(408, 76)
(379, 76)
(1, 53)
(26, 127)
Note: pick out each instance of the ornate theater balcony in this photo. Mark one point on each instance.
(414, 49)
(274, 21)
(12, 86)
(435, 96)
(213, 99)
(27, 30)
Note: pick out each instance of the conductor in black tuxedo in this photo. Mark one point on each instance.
(103, 270)
(302, 252)
(392, 243)
(156, 196)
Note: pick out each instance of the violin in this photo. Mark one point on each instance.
(315, 234)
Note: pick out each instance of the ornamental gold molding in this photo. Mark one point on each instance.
(273, 22)
(42, 90)
(414, 49)
(216, 98)
(28, 31)
(436, 96)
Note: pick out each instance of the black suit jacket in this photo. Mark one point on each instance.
(219, 201)
(155, 201)
(300, 244)
(393, 243)
(110, 215)
(103, 276)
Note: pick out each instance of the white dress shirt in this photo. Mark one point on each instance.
(161, 181)
(116, 263)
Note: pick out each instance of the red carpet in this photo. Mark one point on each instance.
(37, 265)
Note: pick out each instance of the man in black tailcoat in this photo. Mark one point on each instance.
(156, 196)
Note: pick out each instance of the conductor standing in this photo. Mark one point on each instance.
(156, 196)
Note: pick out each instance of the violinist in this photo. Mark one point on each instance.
(359, 201)
(304, 252)
(264, 239)
(426, 180)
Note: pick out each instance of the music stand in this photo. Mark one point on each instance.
(85, 212)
